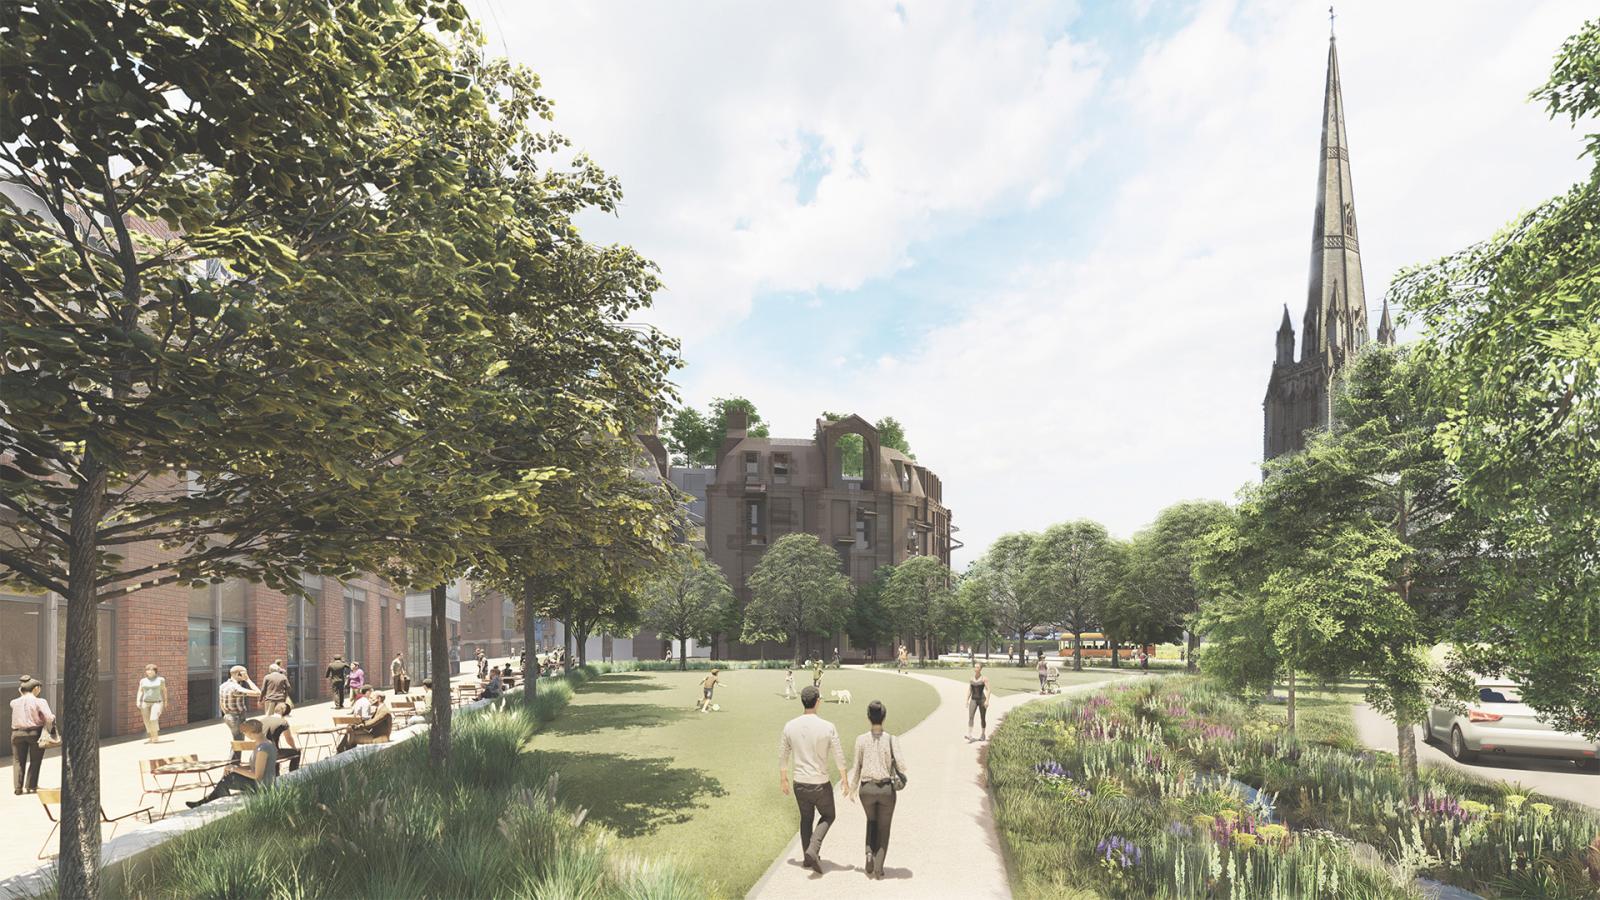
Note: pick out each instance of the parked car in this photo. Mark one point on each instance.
(1499, 722)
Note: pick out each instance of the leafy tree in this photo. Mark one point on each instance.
(1003, 579)
(687, 599)
(212, 274)
(796, 590)
(694, 437)
(917, 599)
(868, 625)
(892, 434)
(1073, 568)
(1157, 594)
(1512, 331)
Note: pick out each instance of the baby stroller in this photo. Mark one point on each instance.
(1052, 680)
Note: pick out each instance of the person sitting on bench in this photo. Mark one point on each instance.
(372, 730)
(256, 774)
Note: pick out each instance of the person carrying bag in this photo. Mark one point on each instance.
(879, 774)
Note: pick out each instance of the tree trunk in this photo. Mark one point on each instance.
(530, 689)
(1022, 647)
(683, 654)
(1193, 642)
(1289, 710)
(1077, 651)
(1116, 661)
(566, 641)
(1406, 741)
(439, 647)
(78, 869)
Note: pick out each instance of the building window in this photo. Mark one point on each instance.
(780, 468)
(866, 516)
(355, 624)
(752, 466)
(905, 476)
(782, 516)
(218, 640)
(755, 522)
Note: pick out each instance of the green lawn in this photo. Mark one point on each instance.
(702, 788)
(1013, 680)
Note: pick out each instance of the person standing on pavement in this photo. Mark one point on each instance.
(338, 673)
(483, 666)
(151, 699)
(1044, 675)
(901, 658)
(399, 681)
(30, 716)
(275, 691)
(234, 696)
(806, 743)
(877, 756)
(358, 676)
(978, 702)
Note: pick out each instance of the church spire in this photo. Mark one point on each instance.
(1385, 327)
(1285, 339)
(1337, 292)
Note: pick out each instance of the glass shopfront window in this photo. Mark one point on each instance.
(218, 640)
(21, 636)
(355, 633)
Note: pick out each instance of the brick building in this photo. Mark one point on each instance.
(886, 511)
(195, 635)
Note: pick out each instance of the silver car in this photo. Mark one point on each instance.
(1499, 722)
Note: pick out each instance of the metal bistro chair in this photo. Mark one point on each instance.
(51, 797)
(149, 783)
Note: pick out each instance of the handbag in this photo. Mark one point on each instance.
(896, 776)
(49, 739)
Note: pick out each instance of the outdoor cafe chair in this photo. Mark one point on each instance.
(51, 797)
(150, 784)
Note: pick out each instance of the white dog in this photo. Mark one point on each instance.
(842, 697)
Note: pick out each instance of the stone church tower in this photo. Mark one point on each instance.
(1299, 394)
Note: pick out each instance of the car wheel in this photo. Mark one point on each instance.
(1589, 765)
(1458, 747)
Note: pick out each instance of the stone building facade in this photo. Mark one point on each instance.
(765, 488)
(1300, 390)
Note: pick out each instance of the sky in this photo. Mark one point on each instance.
(1053, 239)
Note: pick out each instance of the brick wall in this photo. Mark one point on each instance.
(151, 627)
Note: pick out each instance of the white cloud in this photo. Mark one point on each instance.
(1126, 372)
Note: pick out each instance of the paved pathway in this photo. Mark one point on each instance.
(1553, 778)
(943, 842)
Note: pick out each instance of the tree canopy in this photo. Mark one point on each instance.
(693, 437)
(796, 591)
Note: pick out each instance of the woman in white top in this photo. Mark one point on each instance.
(151, 698)
(876, 757)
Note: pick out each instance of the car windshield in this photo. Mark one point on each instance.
(1498, 693)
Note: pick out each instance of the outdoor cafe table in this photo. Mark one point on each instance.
(320, 745)
(201, 767)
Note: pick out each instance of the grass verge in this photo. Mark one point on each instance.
(1173, 788)
(701, 789)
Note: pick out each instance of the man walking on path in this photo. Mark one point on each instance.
(275, 691)
(806, 742)
(338, 671)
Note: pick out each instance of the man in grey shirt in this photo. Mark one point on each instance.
(806, 742)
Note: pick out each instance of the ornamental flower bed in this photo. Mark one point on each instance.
(1176, 789)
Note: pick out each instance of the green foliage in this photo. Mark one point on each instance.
(688, 599)
(1074, 568)
(1000, 582)
(796, 591)
(852, 449)
(694, 437)
(1512, 334)
(868, 625)
(1156, 595)
(1222, 802)
(917, 599)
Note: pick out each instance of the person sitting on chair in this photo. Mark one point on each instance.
(495, 687)
(252, 776)
(372, 730)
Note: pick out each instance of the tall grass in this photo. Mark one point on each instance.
(1178, 789)
(490, 824)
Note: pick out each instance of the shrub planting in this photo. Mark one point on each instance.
(1174, 788)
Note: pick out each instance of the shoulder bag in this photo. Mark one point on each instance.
(896, 776)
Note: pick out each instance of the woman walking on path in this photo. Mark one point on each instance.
(877, 758)
(151, 699)
(978, 702)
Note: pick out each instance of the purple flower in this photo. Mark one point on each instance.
(1051, 769)
(1119, 851)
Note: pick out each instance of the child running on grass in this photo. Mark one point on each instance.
(788, 683)
(707, 685)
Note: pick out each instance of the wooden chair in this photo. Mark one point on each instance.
(345, 721)
(150, 784)
(51, 797)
